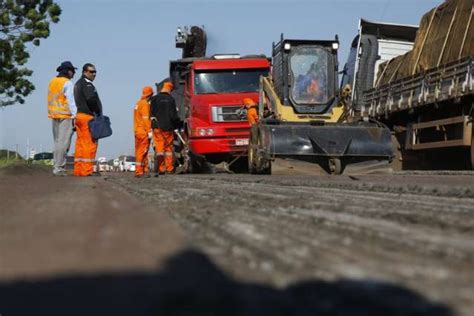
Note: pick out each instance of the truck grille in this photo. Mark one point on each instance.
(229, 114)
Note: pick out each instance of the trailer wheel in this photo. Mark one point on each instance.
(472, 152)
(335, 166)
(397, 163)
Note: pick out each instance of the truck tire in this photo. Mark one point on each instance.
(397, 163)
(472, 152)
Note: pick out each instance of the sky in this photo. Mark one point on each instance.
(132, 41)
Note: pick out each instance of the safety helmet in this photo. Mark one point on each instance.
(147, 91)
(248, 102)
(167, 87)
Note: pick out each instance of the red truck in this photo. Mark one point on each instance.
(209, 92)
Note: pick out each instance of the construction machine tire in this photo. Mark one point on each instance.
(335, 166)
(252, 151)
(257, 162)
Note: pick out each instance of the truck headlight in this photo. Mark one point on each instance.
(335, 45)
(210, 131)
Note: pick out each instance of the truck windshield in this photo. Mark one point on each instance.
(228, 81)
(310, 67)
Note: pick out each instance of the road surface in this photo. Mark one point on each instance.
(233, 244)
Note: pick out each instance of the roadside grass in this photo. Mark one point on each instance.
(11, 160)
(8, 157)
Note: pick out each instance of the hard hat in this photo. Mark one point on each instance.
(248, 102)
(147, 91)
(167, 87)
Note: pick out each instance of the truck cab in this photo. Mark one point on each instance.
(209, 94)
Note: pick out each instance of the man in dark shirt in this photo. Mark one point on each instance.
(164, 119)
(88, 104)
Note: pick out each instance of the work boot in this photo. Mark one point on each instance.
(60, 173)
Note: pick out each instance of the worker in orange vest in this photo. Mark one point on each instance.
(164, 120)
(62, 110)
(252, 113)
(143, 134)
(88, 105)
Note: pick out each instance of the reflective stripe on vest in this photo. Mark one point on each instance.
(58, 106)
(162, 153)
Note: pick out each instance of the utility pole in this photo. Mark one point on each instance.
(27, 149)
(16, 151)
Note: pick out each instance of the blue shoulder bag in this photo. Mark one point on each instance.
(100, 127)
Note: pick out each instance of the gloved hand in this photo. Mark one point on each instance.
(150, 135)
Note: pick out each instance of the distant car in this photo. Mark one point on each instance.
(43, 158)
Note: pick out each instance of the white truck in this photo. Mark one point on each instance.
(425, 95)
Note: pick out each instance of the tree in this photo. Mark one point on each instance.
(21, 22)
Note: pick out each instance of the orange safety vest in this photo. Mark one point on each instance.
(252, 115)
(58, 107)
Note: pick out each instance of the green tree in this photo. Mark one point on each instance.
(21, 22)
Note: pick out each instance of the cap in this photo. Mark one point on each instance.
(66, 65)
(147, 91)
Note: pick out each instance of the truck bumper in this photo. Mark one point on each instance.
(205, 146)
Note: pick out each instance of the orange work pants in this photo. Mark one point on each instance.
(86, 147)
(142, 144)
(163, 149)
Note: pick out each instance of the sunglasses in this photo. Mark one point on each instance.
(91, 71)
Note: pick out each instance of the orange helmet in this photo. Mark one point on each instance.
(167, 87)
(248, 102)
(146, 92)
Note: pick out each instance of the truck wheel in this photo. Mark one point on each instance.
(472, 153)
(335, 166)
(397, 163)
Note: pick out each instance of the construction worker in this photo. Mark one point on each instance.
(164, 119)
(143, 134)
(62, 110)
(252, 113)
(88, 105)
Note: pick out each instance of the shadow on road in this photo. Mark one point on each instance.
(190, 284)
